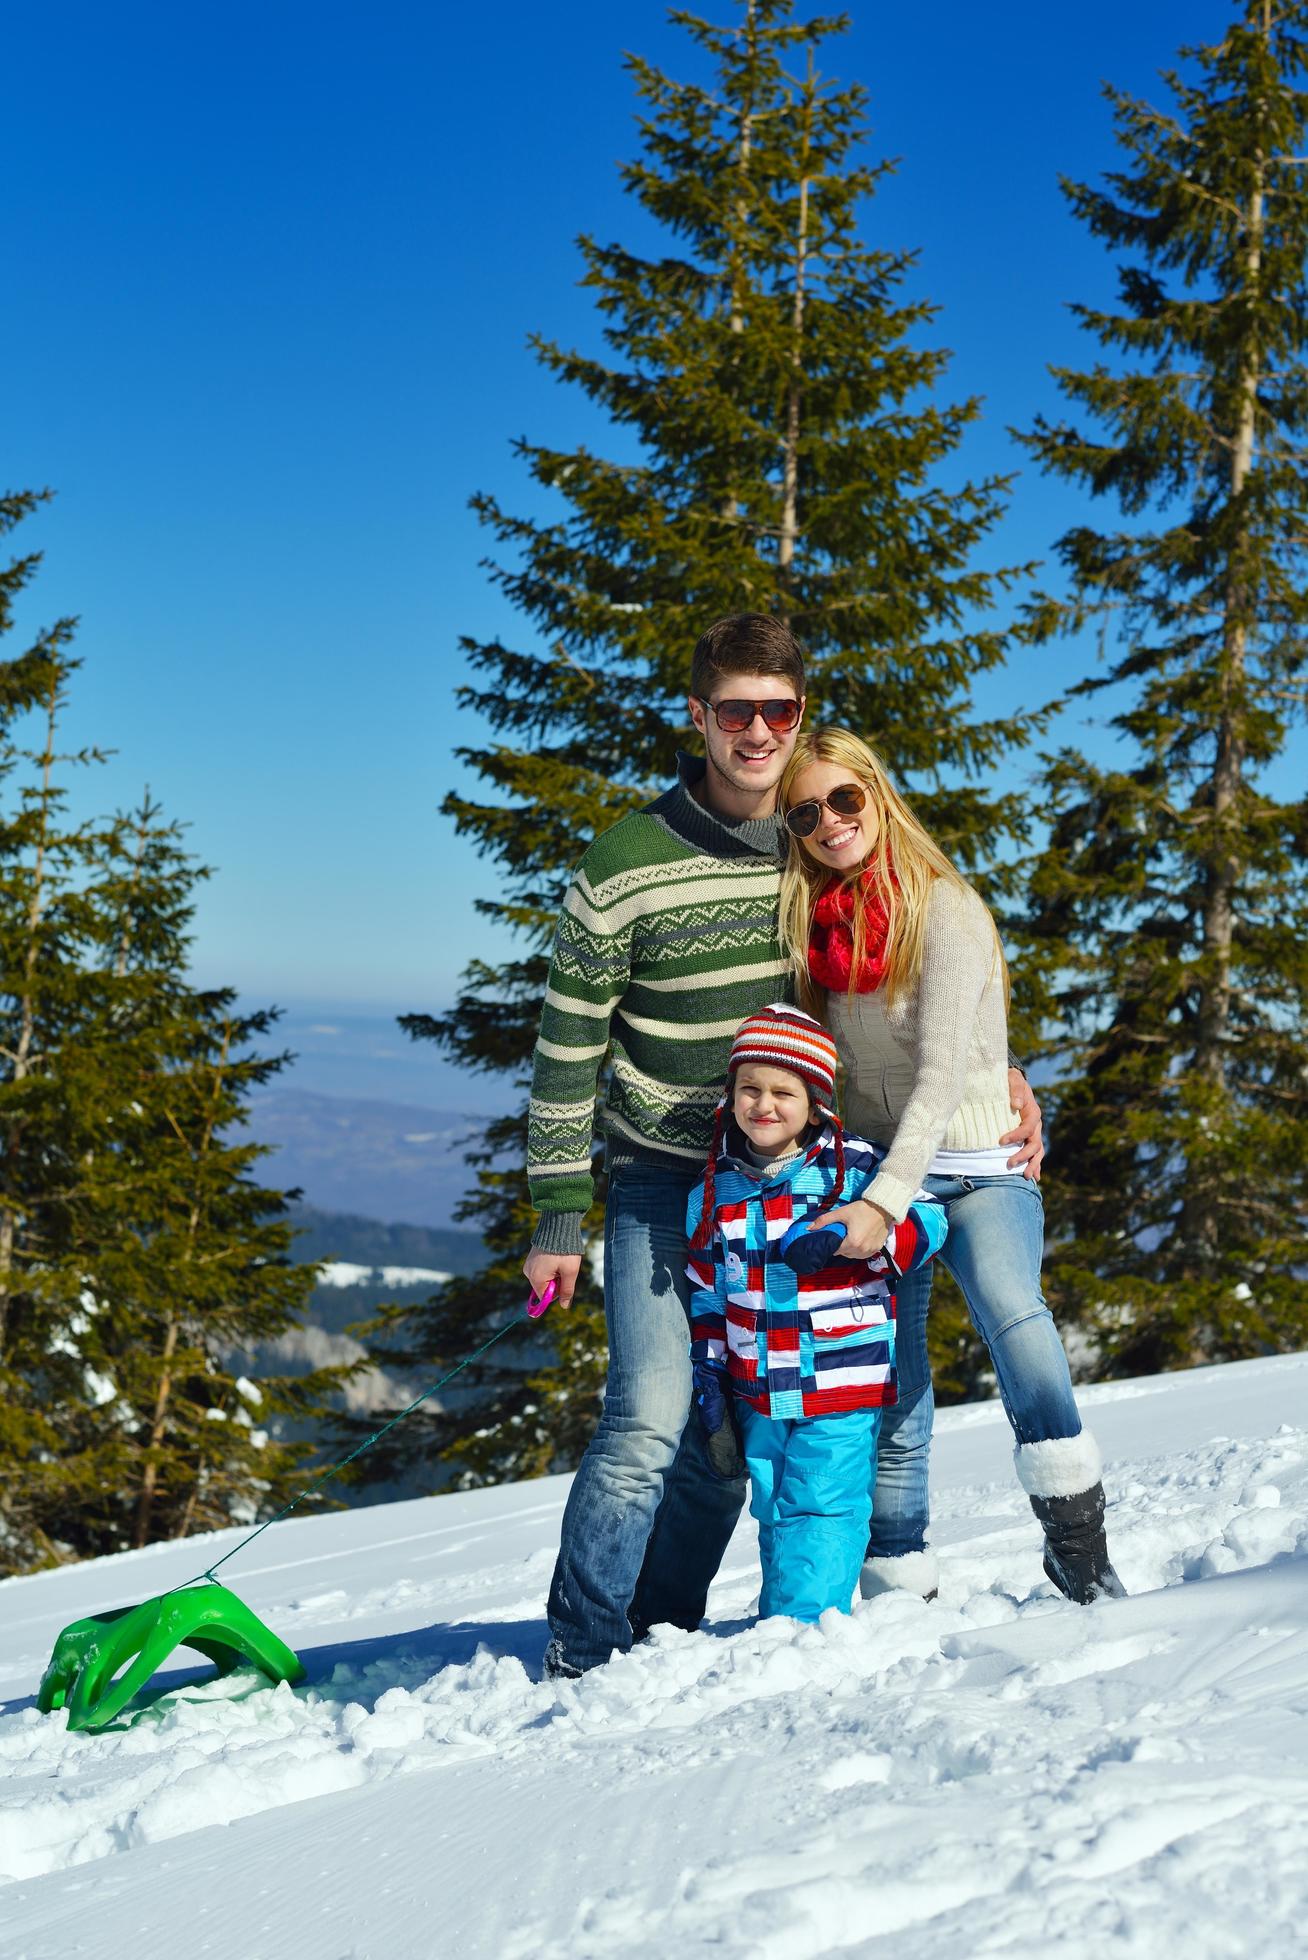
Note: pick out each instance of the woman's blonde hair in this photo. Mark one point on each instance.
(901, 843)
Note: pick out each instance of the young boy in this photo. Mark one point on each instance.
(799, 1342)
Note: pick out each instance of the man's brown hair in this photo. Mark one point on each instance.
(746, 643)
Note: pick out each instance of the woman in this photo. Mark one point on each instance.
(898, 955)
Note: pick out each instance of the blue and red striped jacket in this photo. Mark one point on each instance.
(800, 1344)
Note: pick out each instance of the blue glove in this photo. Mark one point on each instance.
(808, 1252)
(712, 1397)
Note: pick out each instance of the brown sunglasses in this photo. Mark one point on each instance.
(845, 800)
(733, 717)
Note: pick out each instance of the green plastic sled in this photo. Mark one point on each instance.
(88, 1654)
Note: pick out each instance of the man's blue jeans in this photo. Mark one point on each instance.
(647, 1521)
(994, 1249)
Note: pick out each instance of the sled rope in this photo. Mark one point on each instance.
(334, 1469)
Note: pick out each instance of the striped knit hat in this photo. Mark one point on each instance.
(787, 1038)
(782, 1037)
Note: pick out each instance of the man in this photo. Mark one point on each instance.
(666, 942)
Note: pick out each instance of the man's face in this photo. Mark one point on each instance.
(752, 759)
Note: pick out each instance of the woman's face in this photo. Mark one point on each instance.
(839, 843)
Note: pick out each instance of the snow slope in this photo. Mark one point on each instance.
(983, 1775)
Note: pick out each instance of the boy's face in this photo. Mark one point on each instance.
(771, 1106)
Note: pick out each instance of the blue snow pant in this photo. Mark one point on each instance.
(812, 1483)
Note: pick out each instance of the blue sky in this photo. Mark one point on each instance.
(270, 273)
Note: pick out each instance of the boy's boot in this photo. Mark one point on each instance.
(1062, 1479)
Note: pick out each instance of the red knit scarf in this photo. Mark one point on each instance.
(831, 940)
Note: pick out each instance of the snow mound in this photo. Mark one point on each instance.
(993, 1770)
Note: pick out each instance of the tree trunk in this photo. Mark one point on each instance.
(125, 936)
(1202, 1225)
(1225, 863)
(729, 503)
(790, 454)
(158, 1428)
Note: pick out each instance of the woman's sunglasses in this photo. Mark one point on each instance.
(845, 800)
(734, 717)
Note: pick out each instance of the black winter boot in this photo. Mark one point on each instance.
(1076, 1550)
(1063, 1477)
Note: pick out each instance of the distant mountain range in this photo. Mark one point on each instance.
(368, 1265)
(362, 1164)
(376, 1160)
(339, 1236)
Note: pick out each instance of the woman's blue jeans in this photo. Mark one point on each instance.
(647, 1520)
(995, 1244)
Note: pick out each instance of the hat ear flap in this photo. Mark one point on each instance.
(833, 1195)
(704, 1230)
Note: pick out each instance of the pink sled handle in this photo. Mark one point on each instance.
(536, 1307)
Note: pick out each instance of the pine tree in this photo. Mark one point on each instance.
(786, 453)
(191, 1256)
(136, 1254)
(53, 1118)
(1170, 909)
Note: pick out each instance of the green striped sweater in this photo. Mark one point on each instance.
(666, 941)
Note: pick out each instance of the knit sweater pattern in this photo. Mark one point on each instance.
(930, 1072)
(666, 941)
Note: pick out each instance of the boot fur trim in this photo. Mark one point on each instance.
(1062, 1467)
(912, 1572)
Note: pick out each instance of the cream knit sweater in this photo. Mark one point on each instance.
(931, 1072)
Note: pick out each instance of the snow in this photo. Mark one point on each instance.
(344, 1272)
(411, 1276)
(987, 1774)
